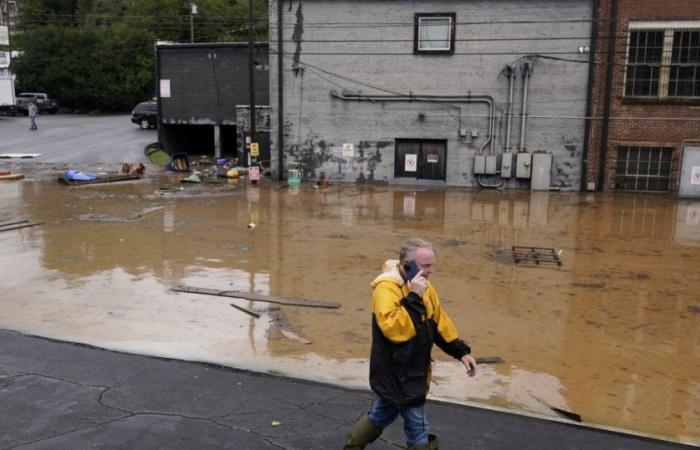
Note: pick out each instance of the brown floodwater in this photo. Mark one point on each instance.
(612, 334)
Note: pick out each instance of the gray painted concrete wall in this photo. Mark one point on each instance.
(316, 125)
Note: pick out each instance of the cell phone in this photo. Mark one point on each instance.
(411, 269)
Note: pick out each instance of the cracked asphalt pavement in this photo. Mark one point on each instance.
(58, 395)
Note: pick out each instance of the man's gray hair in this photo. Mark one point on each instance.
(410, 246)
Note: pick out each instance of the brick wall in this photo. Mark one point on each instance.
(630, 122)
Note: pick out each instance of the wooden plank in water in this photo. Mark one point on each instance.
(247, 311)
(99, 180)
(8, 222)
(17, 227)
(254, 296)
(12, 177)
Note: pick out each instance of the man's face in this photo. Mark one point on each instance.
(425, 259)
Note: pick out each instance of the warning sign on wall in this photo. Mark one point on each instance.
(695, 175)
(254, 149)
(411, 163)
(432, 158)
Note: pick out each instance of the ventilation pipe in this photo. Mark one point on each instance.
(527, 71)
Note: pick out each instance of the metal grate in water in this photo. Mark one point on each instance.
(535, 255)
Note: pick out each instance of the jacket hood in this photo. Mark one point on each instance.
(390, 272)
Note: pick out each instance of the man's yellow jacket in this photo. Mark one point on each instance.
(404, 329)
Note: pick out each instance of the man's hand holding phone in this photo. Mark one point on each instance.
(418, 284)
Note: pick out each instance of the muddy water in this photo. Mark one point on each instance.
(611, 335)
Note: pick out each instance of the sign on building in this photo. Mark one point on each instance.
(348, 150)
(165, 88)
(254, 149)
(411, 163)
(4, 35)
(4, 60)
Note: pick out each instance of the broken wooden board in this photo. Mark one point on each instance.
(5, 172)
(98, 180)
(280, 322)
(247, 311)
(254, 296)
(19, 155)
(8, 222)
(17, 227)
(489, 360)
(12, 177)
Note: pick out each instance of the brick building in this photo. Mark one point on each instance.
(645, 95)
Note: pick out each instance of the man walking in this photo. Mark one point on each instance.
(32, 113)
(407, 319)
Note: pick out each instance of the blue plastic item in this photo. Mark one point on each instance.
(76, 175)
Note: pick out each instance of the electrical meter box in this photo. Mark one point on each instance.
(523, 163)
(541, 171)
(506, 165)
(491, 165)
(479, 165)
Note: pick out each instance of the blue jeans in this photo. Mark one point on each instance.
(415, 422)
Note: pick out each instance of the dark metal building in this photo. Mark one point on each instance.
(202, 90)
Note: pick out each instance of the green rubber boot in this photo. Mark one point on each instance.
(361, 434)
(431, 445)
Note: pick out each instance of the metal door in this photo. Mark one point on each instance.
(690, 172)
(420, 159)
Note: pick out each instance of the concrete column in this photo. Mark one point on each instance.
(217, 141)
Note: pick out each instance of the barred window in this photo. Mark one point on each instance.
(644, 63)
(643, 169)
(685, 65)
(663, 63)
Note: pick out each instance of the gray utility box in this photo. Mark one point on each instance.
(507, 165)
(690, 172)
(523, 161)
(479, 165)
(491, 165)
(541, 171)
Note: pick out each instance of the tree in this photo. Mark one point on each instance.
(99, 54)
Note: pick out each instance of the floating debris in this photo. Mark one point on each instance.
(535, 255)
(254, 296)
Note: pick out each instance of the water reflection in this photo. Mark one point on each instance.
(611, 334)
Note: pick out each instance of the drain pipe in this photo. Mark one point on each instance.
(280, 91)
(511, 82)
(433, 99)
(527, 70)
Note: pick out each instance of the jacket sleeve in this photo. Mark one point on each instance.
(392, 317)
(446, 337)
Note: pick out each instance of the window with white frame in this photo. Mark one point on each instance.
(434, 33)
(663, 60)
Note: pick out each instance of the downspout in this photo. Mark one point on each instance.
(511, 78)
(589, 96)
(280, 91)
(159, 101)
(523, 110)
(608, 90)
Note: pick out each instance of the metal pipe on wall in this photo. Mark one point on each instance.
(523, 110)
(511, 82)
(435, 99)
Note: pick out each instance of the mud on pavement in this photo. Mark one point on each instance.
(610, 335)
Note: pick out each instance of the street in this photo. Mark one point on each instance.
(71, 138)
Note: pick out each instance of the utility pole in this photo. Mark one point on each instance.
(193, 12)
(251, 75)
